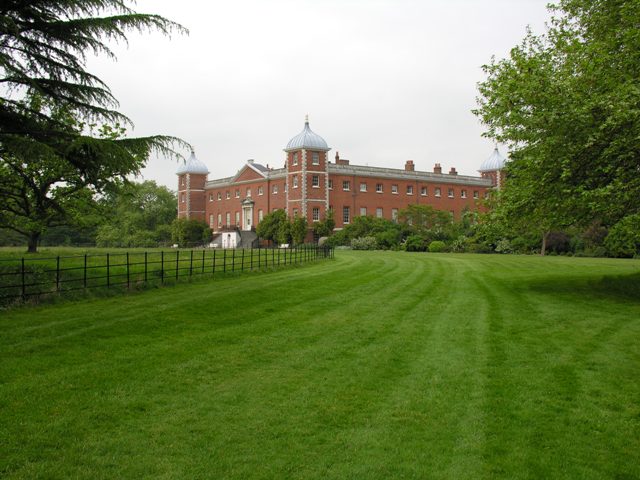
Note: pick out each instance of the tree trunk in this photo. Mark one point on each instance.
(543, 250)
(34, 239)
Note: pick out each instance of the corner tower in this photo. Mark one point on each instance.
(493, 168)
(192, 176)
(307, 169)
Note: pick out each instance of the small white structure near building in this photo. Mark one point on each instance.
(230, 239)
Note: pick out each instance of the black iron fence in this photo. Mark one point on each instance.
(24, 278)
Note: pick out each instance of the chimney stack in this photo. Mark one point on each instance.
(453, 171)
(340, 161)
(409, 167)
(437, 168)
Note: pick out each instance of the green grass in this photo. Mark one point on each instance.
(374, 365)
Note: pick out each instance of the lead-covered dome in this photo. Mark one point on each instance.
(192, 165)
(307, 139)
(495, 162)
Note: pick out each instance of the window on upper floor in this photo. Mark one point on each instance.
(315, 158)
(346, 215)
(228, 195)
(295, 181)
(219, 219)
(476, 194)
(409, 189)
(315, 181)
(330, 184)
(378, 188)
(248, 192)
(394, 189)
(315, 214)
(437, 192)
(219, 196)
(260, 191)
(274, 189)
(423, 191)
(260, 215)
(463, 194)
(211, 197)
(450, 193)
(295, 158)
(346, 185)
(363, 187)
(183, 198)
(237, 193)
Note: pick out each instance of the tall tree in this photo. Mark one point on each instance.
(48, 100)
(568, 105)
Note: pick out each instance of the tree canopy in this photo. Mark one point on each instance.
(60, 133)
(567, 103)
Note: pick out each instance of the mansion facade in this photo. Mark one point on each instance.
(310, 184)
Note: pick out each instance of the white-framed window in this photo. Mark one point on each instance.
(228, 195)
(295, 158)
(450, 193)
(211, 197)
(315, 181)
(274, 189)
(378, 188)
(476, 194)
(394, 189)
(315, 158)
(295, 181)
(379, 212)
(346, 215)
(219, 219)
(463, 194)
(228, 218)
(315, 214)
(219, 196)
(363, 187)
(260, 215)
(260, 191)
(330, 184)
(182, 181)
(248, 192)
(437, 192)
(409, 189)
(394, 214)
(211, 224)
(237, 193)
(423, 191)
(363, 211)
(346, 185)
(237, 218)
(183, 198)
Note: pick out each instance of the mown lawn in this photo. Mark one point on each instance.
(373, 365)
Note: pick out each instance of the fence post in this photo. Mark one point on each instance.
(162, 267)
(233, 260)
(177, 263)
(128, 283)
(251, 260)
(84, 274)
(213, 271)
(203, 250)
(108, 279)
(24, 287)
(259, 254)
(242, 264)
(224, 261)
(145, 267)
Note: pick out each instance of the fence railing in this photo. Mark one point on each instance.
(24, 278)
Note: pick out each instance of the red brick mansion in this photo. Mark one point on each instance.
(309, 184)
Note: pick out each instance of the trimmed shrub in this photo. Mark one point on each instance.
(415, 243)
(623, 239)
(437, 246)
(363, 243)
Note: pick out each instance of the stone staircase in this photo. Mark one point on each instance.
(248, 239)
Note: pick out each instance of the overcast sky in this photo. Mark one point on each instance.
(383, 81)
